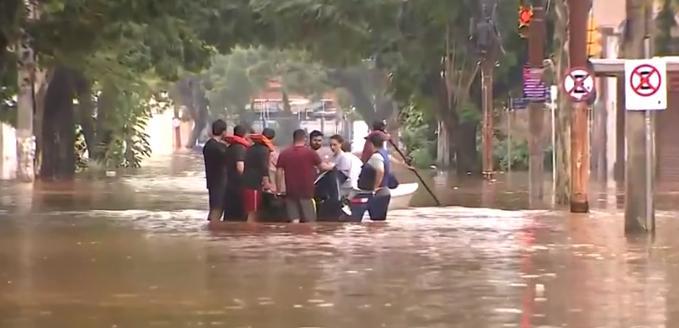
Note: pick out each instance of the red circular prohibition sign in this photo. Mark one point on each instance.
(578, 82)
(644, 88)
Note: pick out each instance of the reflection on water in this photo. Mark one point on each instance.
(135, 251)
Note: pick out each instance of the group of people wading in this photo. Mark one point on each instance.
(242, 166)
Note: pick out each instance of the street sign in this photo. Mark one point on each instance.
(534, 88)
(518, 103)
(646, 84)
(578, 84)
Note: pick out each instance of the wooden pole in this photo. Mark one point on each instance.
(639, 131)
(487, 129)
(577, 27)
(536, 54)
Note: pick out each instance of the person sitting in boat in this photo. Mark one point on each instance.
(356, 164)
(375, 176)
(378, 127)
(256, 174)
(343, 163)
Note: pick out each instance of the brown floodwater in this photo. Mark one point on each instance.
(135, 251)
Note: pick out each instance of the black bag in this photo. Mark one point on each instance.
(366, 179)
(393, 181)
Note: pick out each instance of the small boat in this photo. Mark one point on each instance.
(331, 206)
(402, 195)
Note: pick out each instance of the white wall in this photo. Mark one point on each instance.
(160, 130)
(8, 153)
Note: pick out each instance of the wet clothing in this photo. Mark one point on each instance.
(368, 148)
(301, 209)
(235, 153)
(343, 164)
(257, 161)
(378, 205)
(299, 164)
(214, 156)
(252, 199)
(233, 200)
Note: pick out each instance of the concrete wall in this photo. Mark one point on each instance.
(160, 130)
(8, 153)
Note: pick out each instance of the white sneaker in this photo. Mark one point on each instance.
(346, 209)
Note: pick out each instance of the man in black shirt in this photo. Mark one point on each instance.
(256, 175)
(214, 155)
(235, 166)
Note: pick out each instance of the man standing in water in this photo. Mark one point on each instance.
(235, 166)
(296, 168)
(315, 140)
(214, 156)
(256, 174)
(377, 173)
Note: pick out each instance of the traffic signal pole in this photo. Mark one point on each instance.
(536, 53)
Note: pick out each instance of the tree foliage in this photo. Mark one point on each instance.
(382, 52)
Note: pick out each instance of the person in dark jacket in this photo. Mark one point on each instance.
(378, 127)
(235, 166)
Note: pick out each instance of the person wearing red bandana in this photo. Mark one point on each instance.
(256, 175)
(368, 149)
(235, 166)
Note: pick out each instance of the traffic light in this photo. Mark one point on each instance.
(525, 17)
(593, 39)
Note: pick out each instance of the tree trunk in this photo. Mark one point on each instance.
(461, 135)
(106, 105)
(288, 123)
(466, 153)
(25, 137)
(562, 148)
(362, 99)
(199, 113)
(58, 157)
(86, 119)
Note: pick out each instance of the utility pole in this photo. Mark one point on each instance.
(577, 29)
(487, 129)
(536, 54)
(639, 130)
(487, 43)
(25, 100)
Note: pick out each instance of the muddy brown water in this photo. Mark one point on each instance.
(134, 251)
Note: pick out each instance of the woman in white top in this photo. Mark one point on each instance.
(346, 163)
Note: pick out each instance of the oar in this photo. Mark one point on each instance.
(438, 203)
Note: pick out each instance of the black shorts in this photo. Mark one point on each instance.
(216, 198)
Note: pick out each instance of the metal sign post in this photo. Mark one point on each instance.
(645, 90)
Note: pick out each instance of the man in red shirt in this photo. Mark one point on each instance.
(296, 166)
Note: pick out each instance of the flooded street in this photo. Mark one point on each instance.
(134, 251)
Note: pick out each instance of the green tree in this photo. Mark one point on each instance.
(111, 47)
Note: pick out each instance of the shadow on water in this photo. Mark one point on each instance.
(134, 251)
